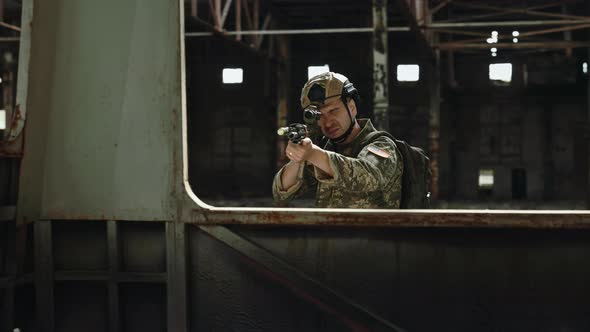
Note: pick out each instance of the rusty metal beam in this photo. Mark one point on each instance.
(249, 24)
(524, 11)
(462, 32)
(265, 25)
(238, 9)
(437, 25)
(246, 8)
(255, 14)
(533, 219)
(212, 32)
(194, 8)
(499, 14)
(540, 45)
(413, 23)
(567, 34)
(225, 12)
(526, 34)
(218, 13)
(440, 6)
(351, 314)
(546, 31)
(216, 18)
(472, 17)
(256, 20)
(443, 27)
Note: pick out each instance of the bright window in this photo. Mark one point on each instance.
(501, 72)
(233, 75)
(2, 119)
(486, 178)
(316, 70)
(408, 73)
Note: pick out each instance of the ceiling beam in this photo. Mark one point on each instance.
(524, 11)
(543, 45)
(440, 6)
(493, 24)
(413, 23)
(525, 34)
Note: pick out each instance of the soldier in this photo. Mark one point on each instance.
(358, 167)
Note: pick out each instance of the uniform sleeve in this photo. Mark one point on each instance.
(304, 182)
(369, 171)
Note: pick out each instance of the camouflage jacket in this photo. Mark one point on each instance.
(367, 174)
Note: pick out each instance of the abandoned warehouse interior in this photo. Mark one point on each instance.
(139, 144)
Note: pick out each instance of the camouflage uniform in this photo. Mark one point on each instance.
(370, 177)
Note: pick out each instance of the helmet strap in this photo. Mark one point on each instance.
(340, 139)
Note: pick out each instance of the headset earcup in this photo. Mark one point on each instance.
(351, 91)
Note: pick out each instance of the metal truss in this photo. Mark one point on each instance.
(420, 18)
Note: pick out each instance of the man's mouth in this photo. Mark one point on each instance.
(331, 131)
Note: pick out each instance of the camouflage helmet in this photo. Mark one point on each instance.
(321, 87)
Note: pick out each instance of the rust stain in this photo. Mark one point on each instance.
(442, 219)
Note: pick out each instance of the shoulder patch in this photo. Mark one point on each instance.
(377, 151)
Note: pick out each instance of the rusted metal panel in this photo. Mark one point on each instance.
(294, 278)
(352, 315)
(393, 218)
(103, 120)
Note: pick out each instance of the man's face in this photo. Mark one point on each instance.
(335, 120)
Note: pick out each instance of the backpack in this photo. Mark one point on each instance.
(416, 175)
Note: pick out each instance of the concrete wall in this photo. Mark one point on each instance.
(527, 125)
(232, 127)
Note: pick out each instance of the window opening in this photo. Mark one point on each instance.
(233, 75)
(408, 73)
(316, 70)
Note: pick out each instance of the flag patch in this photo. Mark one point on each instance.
(377, 151)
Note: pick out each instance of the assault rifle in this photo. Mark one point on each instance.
(296, 132)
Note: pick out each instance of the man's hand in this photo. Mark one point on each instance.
(307, 151)
(299, 152)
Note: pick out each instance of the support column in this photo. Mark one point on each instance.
(283, 88)
(176, 282)
(587, 136)
(434, 124)
(113, 284)
(194, 7)
(44, 281)
(380, 66)
(238, 13)
(567, 35)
